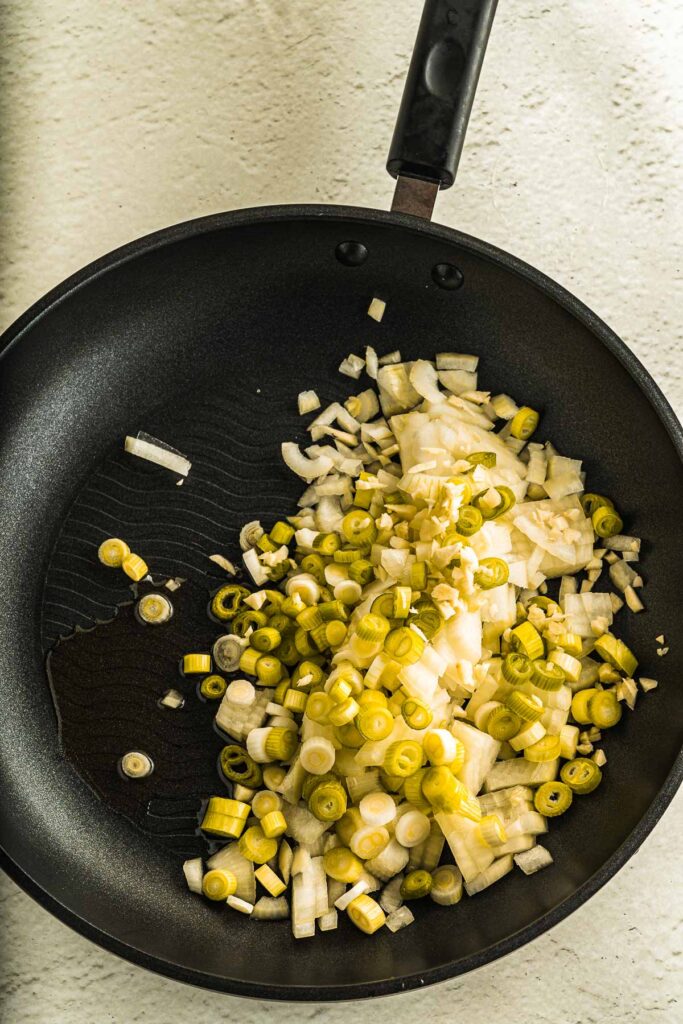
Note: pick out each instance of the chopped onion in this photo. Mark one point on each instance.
(456, 361)
(396, 393)
(250, 534)
(633, 601)
(307, 469)
(424, 379)
(271, 908)
(349, 896)
(240, 905)
(241, 691)
(458, 382)
(194, 873)
(376, 309)
(224, 564)
(533, 860)
(400, 918)
(144, 446)
(172, 699)
(371, 362)
(308, 401)
(352, 366)
(390, 357)
(254, 567)
(504, 406)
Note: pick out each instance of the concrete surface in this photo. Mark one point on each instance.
(119, 118)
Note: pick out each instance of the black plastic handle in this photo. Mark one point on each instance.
(439, 91)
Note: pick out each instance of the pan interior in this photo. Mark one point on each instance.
(205, 340)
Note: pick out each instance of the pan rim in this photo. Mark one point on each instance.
(665, 413)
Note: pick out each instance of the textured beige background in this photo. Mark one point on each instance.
(117, 118)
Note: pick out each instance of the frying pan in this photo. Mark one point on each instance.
(203, 334)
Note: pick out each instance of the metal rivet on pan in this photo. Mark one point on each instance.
(351, 254)
(447, 276)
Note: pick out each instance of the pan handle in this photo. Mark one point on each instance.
(438, 95)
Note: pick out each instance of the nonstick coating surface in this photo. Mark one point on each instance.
(259, 297)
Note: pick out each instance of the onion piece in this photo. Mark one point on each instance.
(390, 357)
(254, 567)
(352, 366)
(458, 382)
(371, 362)
(144, 446)
(172, 699)
(456, 361)
(533, 860)
(224, 563)
(250, 534)
(376, 309)
(400, 918)
(307, 469)
(271, 908)
(194, 873)
(424, 379)
(307, 401)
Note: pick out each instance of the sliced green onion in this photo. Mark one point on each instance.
(402, 599)
(492, 572)
(470, 521)
(503, 724)
(375, 723)
(281, 744)
(525, 706)
(616, 653)
(443, 791)
(404, 645)
(248, 619)
(548, 676)
(213, 687)
(506, 501)
(402, 758)
(516, 668)
(361, 571)
(416, 713)
(319, 706)
(524, 423)
(579, 706)
(281, 533)
(226, 602)
(553, 798)
(269, 670)
(581, 775)
(607, 522)
(546, 749)
(418, 575)
(486, 459)
(604, 709)
(327, 543)
(255, 846)
(416, 885)
(526, 639)
(344, 713)
(343, 865)
(359, 527)
(238, 766)
(591, 502)
(364, 912)
(328, 801)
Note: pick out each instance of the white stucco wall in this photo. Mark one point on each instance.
(117, 118)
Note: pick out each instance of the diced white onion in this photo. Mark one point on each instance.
(152, 450)
(308, 401)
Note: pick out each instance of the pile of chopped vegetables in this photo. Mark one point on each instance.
(407, 707)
